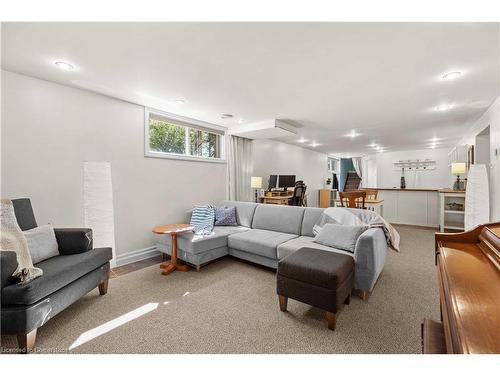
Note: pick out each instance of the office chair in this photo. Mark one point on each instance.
(298, 194)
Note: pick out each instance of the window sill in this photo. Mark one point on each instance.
(184, 157)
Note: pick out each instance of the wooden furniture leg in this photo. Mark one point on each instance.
(171, 266)
(26, 341)
(283, 302)
(103, 287)
(331, 318)
(348, 300)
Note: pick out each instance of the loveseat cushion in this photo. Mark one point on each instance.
(278, 218)
(295, 244)
(259, 241)
(58, 272)
(196, 244)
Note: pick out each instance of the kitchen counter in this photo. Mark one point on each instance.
(412, 206)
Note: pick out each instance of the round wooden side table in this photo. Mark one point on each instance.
(173, 230)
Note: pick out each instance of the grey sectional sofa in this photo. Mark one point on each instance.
(267, 233)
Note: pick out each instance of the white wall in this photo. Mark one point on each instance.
(490, 118)
(49, 130)
(272, 157)
(429, 179)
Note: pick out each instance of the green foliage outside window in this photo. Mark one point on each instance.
(171, 138)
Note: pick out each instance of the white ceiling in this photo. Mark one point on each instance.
(380, 79)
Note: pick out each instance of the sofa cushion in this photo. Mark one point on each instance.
(58, 272)
(244, 211)
(42, 243)
(311, 216)
(278, 218)
(342, 237)
(259, 241)
(295, 244)
(196, 244)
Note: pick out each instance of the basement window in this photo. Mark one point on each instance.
(175, 137)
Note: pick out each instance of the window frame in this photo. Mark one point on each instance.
(187, 123)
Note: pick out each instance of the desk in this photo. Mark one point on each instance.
(376, 204)
(279, 199)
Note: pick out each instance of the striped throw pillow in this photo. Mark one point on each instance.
(202, 219)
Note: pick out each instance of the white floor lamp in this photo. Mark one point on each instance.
(477, 197)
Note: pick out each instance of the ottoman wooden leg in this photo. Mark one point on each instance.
(331, 318)
(283, 302)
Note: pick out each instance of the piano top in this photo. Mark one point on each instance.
(471, 281)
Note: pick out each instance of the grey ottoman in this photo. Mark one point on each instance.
(320, 278)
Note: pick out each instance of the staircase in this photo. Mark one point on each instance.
(352, 182)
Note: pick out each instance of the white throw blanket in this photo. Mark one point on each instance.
(12, 239)
(358, 217)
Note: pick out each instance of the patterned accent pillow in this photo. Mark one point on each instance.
(225, 216)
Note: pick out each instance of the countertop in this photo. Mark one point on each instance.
(407, 189)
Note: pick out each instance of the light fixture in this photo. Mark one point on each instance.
(225, 116)
(451, 75)
(256, 183)
(458, 169)
(302, 140)
(444, 107)
(241, 121)
(353, 134)
(314, 144)
(64, 66)
(373, 144)
(180, 101)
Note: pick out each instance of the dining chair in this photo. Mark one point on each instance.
(354, 199)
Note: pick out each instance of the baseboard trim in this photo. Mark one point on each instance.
(137, 255)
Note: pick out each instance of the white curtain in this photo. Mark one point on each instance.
(240, 168)
(358, 166)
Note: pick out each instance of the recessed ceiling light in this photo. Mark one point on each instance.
(373, 144)
(241, 121)
(226, 116)
(64, 65)
(353, 134)
(180, 101)
(451, 75)
(314, 144)
(380, 150)
(302, 140)
(444, 107)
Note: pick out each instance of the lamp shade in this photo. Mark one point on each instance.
(458, 168)
(256, 183)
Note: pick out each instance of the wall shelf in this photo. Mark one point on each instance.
(414, 165)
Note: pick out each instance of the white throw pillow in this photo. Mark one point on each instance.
(42, 243)
(342, 237)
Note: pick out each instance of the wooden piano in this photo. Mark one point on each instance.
(468, 265)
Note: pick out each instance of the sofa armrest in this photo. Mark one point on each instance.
(8, 264)
(73, 240)
(369, 257)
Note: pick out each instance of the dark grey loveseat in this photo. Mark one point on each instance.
(76, 271)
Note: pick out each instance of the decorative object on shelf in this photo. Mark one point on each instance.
(256, 183)
(403, 181)
(453, 206)
(417, 164)
(328, 183)
(477, 197)
(458, 169)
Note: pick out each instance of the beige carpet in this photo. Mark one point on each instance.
(232, 307)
